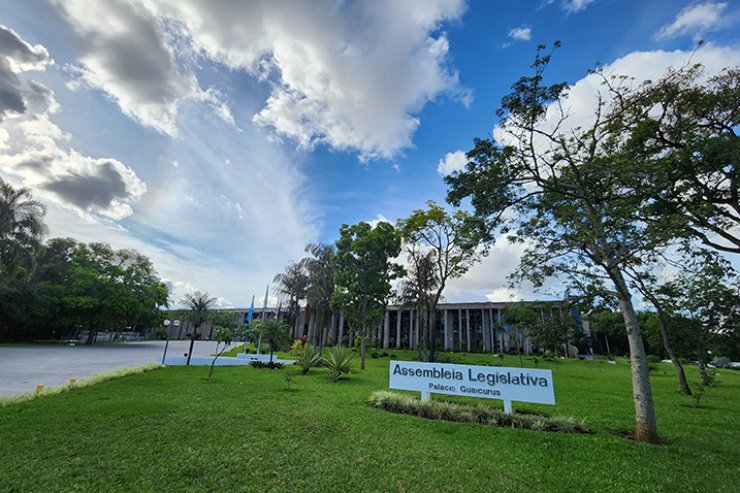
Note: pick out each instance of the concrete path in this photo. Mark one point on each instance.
(23, 367)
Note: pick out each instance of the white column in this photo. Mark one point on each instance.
(467, 326)
(398, 328)
(340, 341)
(386, 329)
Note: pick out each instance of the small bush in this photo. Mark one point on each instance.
(651, 358)
(481, 414)
(443, 358)
(393, 356)
(339, 361)
(374, 355)
(270, 365)
(308, 357)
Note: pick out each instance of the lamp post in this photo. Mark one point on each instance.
(176, 324)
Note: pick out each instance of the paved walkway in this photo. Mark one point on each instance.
(23, 367)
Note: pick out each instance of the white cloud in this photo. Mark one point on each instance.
(521, 33)
(36, 151)
(453, 161)
(137, 59)
(380, 218)
(696, 20)
(574, 6)
(352, 76)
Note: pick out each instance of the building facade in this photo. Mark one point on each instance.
(466, 327)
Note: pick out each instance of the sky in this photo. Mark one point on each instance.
(220, 137)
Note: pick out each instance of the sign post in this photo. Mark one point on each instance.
(490, 382)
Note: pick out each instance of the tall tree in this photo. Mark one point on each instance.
(364, 269)
(320, 287)
(198, 305)
(557, 190)
(707, 291)
(292, 284)
(21, 231)
(417, 291)
(274, 332)
(451, 241)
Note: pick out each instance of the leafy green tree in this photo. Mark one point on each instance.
(647, 285)
(21, 231)
(554, 334)
(417, 290)
(557, 190)
(607, 326)
(707, 291)
(223, 318)
(364, 270)
(520, 319)
(681, 152)
(198, 305)
(223, 335)
(448, 243)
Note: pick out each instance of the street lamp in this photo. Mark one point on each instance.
(176, 324)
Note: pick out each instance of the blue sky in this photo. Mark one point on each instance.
(220, 137)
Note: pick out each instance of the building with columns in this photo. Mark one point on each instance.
(467, 327)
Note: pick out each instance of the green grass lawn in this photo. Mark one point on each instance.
(171, 430)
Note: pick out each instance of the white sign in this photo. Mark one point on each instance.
(492, 382)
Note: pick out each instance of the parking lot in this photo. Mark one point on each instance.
(23, 367)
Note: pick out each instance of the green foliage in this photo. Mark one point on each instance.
(680, 153)
(339, 360)
(440, 246)
(270, 365)
(465, 413)
(274, 332)
(292, 284)
(308, 357)
(363, 271)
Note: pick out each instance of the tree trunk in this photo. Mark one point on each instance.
(192, 343)
(662, 323)
(362, 345)
(645, 424)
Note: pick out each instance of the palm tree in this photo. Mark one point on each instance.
(198, 305)
(274, 332)
(21, 230)
(320, 286)
(292, 284)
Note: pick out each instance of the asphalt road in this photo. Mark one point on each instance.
(23, 367)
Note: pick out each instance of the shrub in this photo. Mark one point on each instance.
(479, 413)
(308, 357)
(651, 358)
(270, 365)
(339, 361)
(297, 347)
(374, 355)
(443, 358)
